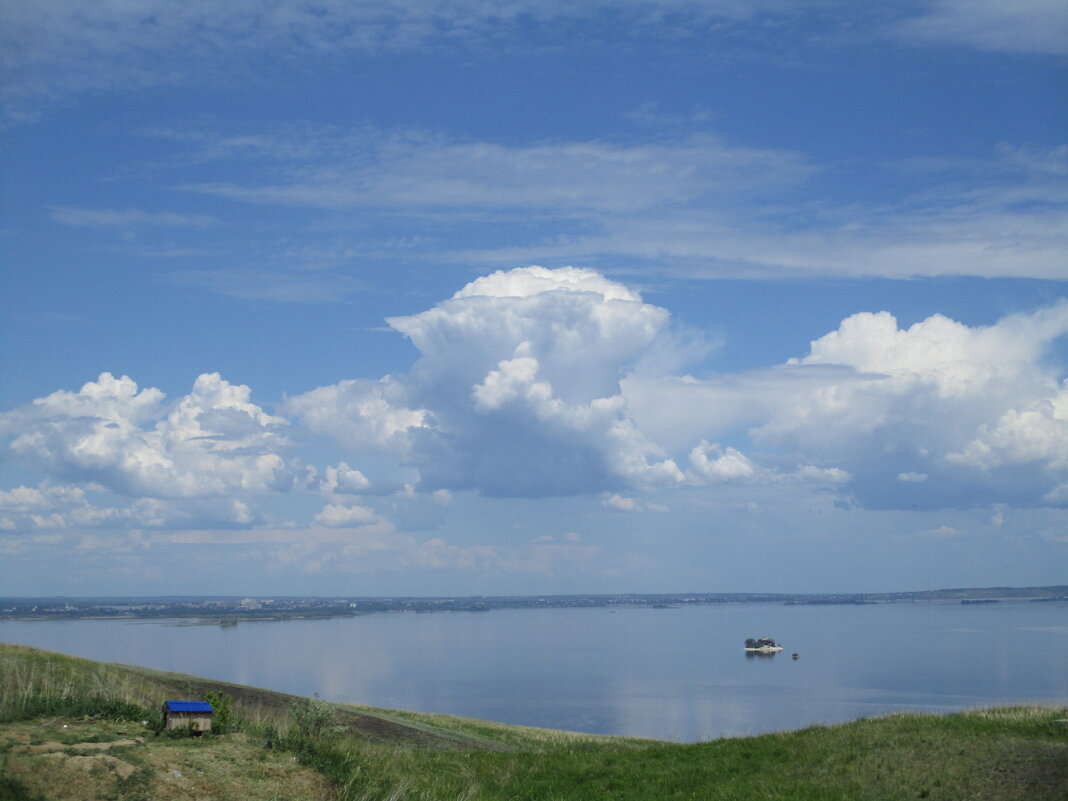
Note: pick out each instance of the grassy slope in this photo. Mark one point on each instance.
(380, 754)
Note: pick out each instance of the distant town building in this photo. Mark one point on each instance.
(194, 715)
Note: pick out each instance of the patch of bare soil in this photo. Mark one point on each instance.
(43, 748)
(105, 761)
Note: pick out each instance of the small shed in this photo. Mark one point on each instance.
(195, 715)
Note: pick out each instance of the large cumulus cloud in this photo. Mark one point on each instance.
(936, 414)
(517, 389)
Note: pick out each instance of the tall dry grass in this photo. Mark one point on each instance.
(34, 683)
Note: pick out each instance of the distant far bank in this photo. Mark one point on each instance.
(224, 610)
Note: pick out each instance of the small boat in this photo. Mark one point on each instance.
(765, 645)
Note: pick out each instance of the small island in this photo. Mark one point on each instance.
(765, 645)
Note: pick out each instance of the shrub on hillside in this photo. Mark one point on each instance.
(223, 720)
(313, 718)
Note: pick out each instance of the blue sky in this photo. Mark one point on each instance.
(480, 297)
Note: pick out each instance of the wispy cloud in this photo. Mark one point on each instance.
(270, 285)
(1022, 26)
(128, 218)
(414, 172)
(53, 48)
(694, 205)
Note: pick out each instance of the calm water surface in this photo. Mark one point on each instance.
(678, 674)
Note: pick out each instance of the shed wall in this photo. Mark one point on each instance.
(199, 721)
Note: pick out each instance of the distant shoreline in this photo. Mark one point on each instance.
(230, 610)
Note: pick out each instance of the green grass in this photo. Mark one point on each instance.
(1021, 753)
(375, 754)
(11, 789)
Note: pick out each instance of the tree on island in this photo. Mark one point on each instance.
(763, 644)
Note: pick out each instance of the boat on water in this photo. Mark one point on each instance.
(765, 645)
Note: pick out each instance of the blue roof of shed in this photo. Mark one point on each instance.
(189, 706)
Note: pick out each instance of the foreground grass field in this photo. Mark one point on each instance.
(75, 729)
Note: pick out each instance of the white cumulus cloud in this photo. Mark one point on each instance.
(336, 515)
(51, 507)
(359, 413)
(939, 413)
(517, 389)
(1036, 433)
(718, 464)
(210, 442)
(344, 480)
(620, 503)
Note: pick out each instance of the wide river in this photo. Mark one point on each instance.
(676, 674)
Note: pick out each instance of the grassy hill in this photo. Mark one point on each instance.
(76, 729)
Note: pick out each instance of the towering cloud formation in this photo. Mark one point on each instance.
(517, 391)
